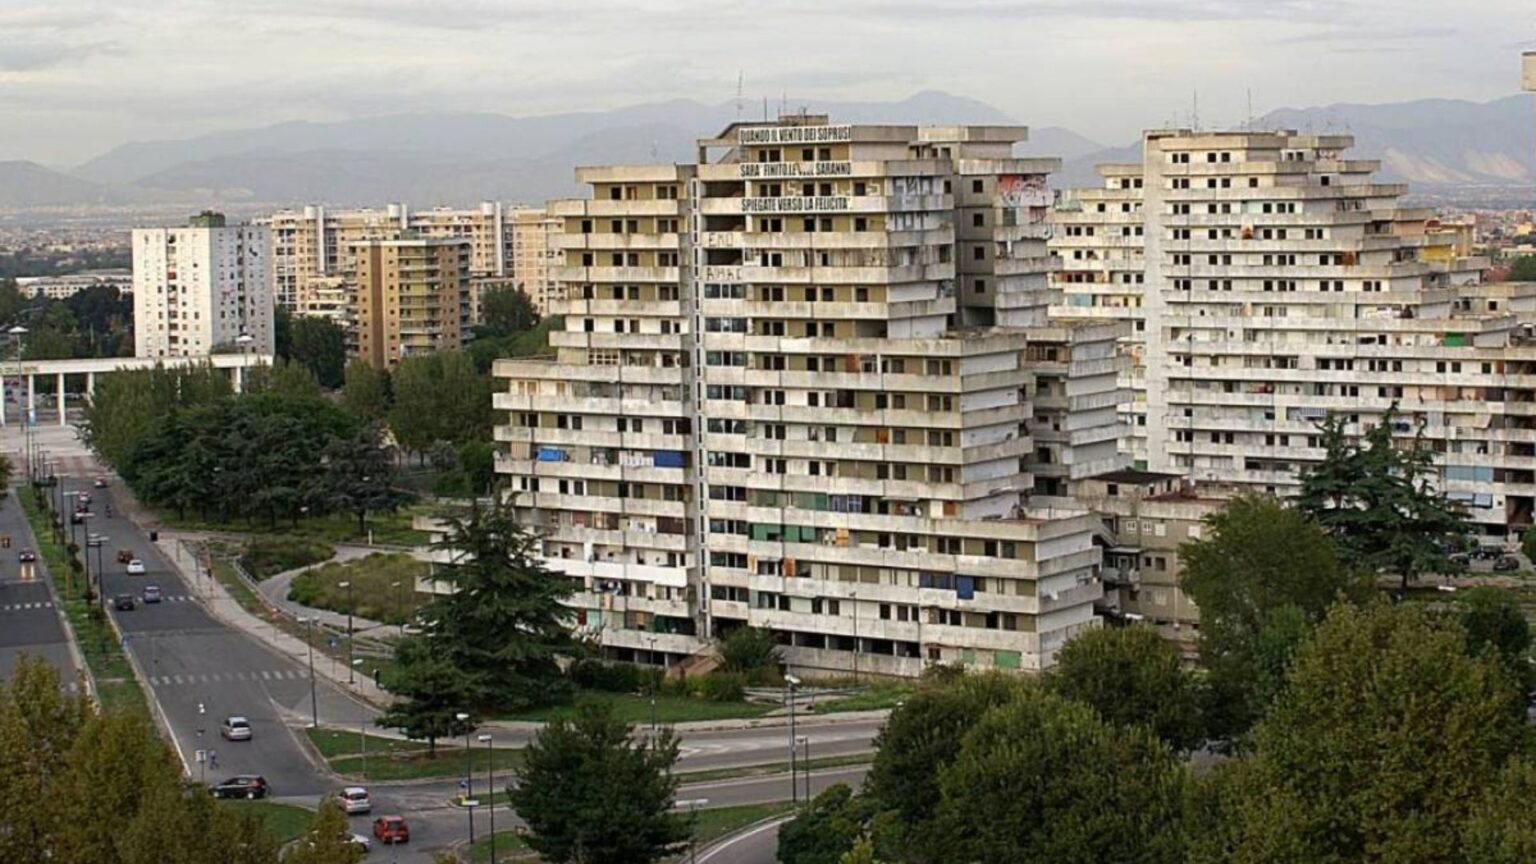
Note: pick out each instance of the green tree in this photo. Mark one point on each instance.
(503, 624)
(1042, 778)
(127, 403)
(38, 725)
(594, 793)
(748, 651)
(328, 840)
(828, 828)
(1132, 677)
(439, 397)
(1255, 559)
(319, 345)
(1502, 828)
(1382, 745)
(918, 740)
(506, 310)
(1523, 269)
(1377, 499)
(365, 392)
(1494, 621)
(430, 692)
(283, 377)
(357, 477)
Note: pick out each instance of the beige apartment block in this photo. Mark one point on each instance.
(760, 411)
(1528, 71)
(411, 297)
(534, 256)
(1281, 282)
(314, 242)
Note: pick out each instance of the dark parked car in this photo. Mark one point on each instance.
(1506, 564)
(243, 786)
(1487, 553)
(125, 602)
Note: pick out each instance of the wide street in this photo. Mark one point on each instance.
(200, 669)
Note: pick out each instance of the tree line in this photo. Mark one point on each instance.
(183, 440)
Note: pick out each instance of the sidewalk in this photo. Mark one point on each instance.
(216, 598)
(274, 591)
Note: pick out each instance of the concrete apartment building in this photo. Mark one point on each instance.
(67, 285)
(534, 256)
(411, 296)
(1280, 282)
(760, 412)
(201, 288)
(313, 244)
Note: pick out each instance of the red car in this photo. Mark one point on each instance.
(391, 829)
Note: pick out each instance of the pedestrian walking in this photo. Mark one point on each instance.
(213, 758)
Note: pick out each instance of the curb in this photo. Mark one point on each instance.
(726, 840)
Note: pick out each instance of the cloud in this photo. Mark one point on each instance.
(33, 55)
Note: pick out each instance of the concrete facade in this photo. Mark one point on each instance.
(759, 411)
(411, 297)
(1279, 281)
(199, 288)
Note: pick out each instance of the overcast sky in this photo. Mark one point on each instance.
(78, 77)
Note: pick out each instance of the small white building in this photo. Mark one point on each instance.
(68, 285)
(198, 289)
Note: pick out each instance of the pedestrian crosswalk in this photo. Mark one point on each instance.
(176, 598)
(219, 677)
(23, 607)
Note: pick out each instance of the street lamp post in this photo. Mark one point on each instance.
(17, 333)
(96, 542)
(403, 604)
(309, 639)
(351, 664)
(490, 794)
(805, 741)
(693, 806)
(790, 684)
(469, 760)
(651, 674)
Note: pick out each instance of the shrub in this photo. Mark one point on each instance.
(748, 649)
(720, 687)
(593, 674)
(265, 557)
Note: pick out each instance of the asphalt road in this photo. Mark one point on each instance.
(201, 670)
(29, 623)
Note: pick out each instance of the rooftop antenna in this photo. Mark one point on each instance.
(1194, 112)
(1250, 110)
(740, 80)
(784, 101)
(765, 109)
(655, 147)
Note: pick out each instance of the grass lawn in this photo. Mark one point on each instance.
(507, 843)
(873, 698)
(265, 557)
(388, 528)
(374, 593)
(710, 825)
(637, 709)
(391, 759)
(225, 573)
(720, 821)
(115, 684)
(285, 821)
(771, 768)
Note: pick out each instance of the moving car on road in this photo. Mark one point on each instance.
(135, 567)
(354, 799)
(248, 786)
(362, 842)
(101, 483)
(124, 602)
(391, 830)
(26, 556)
(151, 593)
(236, 729)
(124, 556)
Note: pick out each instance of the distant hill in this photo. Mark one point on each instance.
(457, 158)
(28, 184)
(430, 159)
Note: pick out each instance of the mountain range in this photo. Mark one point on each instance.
(428, 159)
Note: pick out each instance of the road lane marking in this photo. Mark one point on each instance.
(710, 853)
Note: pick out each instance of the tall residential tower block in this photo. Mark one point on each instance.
(201, 288)
(797, 389)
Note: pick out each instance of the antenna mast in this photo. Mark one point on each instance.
(740, 80)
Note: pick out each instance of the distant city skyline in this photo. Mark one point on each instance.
(78, 77)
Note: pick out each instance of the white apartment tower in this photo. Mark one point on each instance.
(200, 288)
(766, 407)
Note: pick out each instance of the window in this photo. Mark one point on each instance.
(979, 220)
(978, 186)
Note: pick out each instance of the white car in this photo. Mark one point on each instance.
(135, 567)
(363, 842)
(354, 799)
(236, 729)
